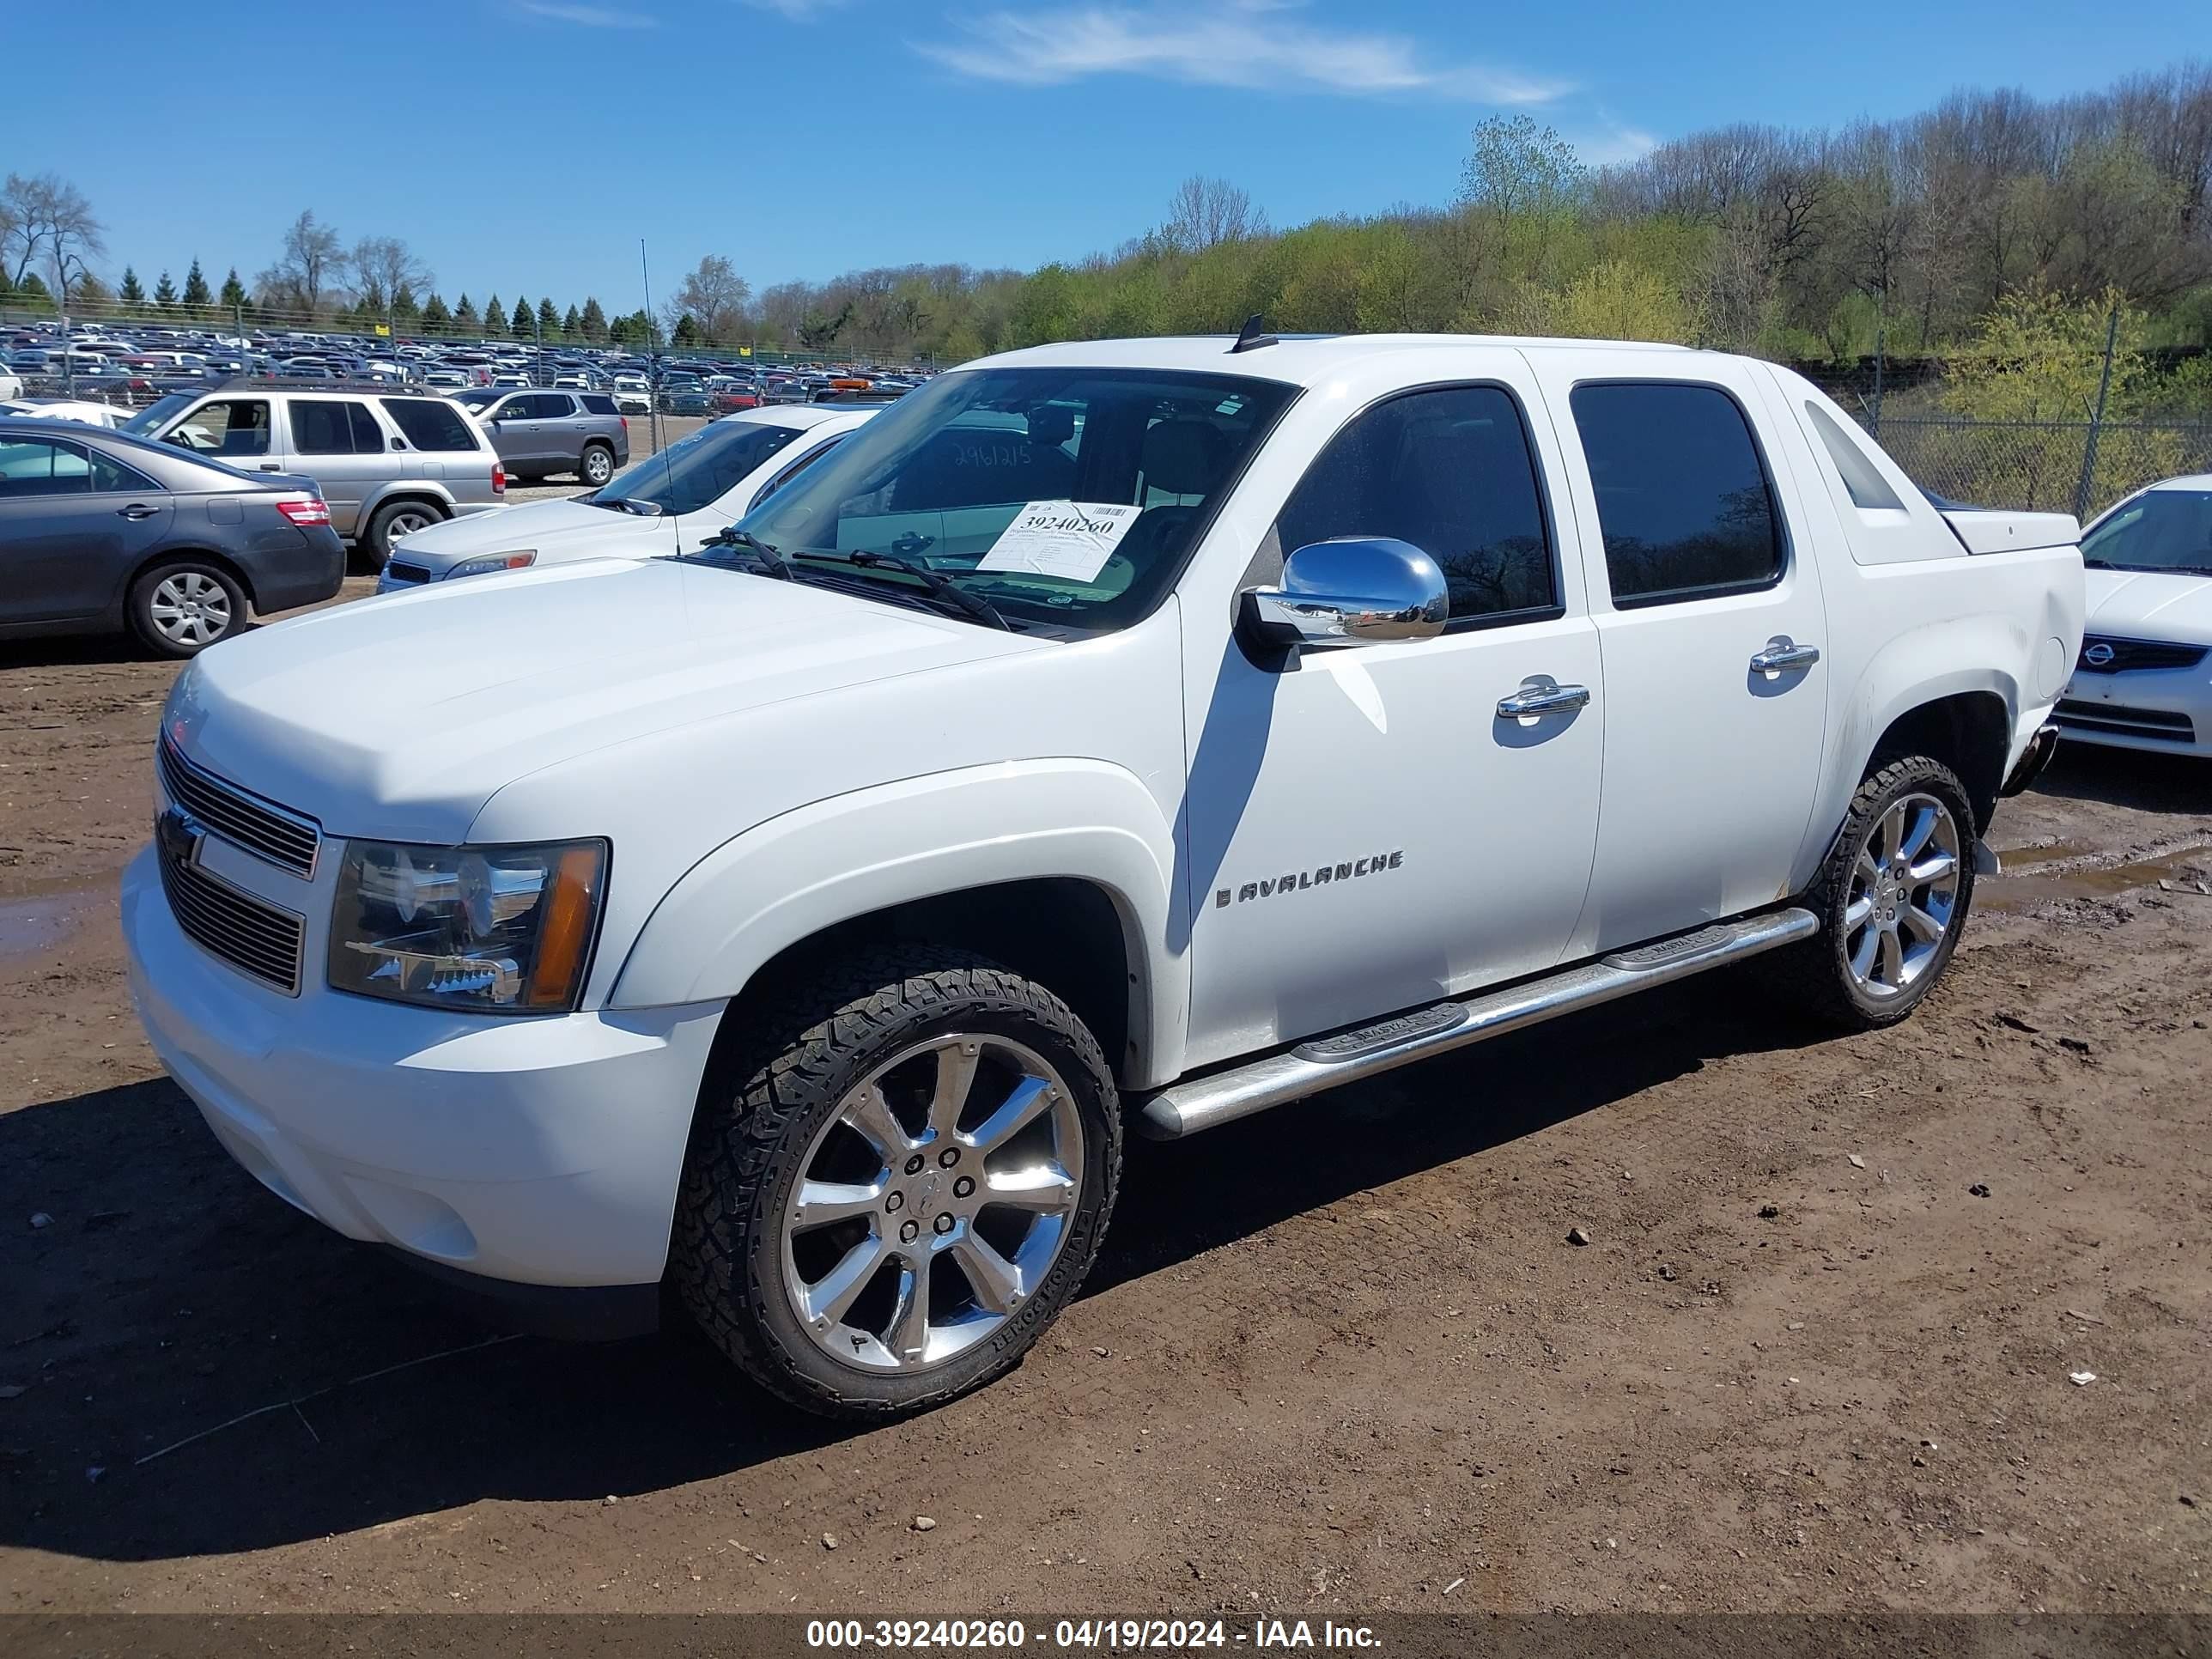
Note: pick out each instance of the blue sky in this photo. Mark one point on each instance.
(529, 144)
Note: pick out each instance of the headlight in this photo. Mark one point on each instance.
(492, 562)
(489, 929)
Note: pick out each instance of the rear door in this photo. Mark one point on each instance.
(1707, 601)
(73, 524)
(338, 443)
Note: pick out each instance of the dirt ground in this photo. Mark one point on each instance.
(1340, 1358)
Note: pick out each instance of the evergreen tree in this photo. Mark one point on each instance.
(165, 292)
(130, 293)
(687, 331)
(523, 323)
(234, 291)
(405, 311)
(196, 293)
(494, 317)
(436, 317)
(595, 321)
(572, 325)
(465, 320)
(548, 320)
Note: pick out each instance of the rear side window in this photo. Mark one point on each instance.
(1451, 472)
(598, 403)
(1683, 499)
(36, 466)
(330, 427)
(431, 424)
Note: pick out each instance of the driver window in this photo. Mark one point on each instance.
(227, 427)
(1451, 472)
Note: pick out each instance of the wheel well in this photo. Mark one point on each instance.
(1064, 933)
(192, 555)
(1968, 733)
(406, 498)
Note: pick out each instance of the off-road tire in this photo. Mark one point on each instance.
(141, 601)
(777, 1078)
(1815, 976)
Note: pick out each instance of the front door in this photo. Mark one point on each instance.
(73, 523)
(1367, 832)
(1707, 601)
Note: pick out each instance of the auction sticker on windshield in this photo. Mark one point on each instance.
(1072, 539)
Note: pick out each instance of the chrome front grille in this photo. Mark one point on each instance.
(2107, 653)
(286, 839)
(2161, 725)
(251, 935)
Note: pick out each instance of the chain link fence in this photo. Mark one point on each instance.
(2051, 466)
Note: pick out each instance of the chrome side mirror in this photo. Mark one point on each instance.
(1356, 590)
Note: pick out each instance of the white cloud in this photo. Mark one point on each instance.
(1222, 43)
(590, 17)
(799, 11)
(1612, 143)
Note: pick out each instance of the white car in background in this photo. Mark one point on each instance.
(2141, 680)
(655, 509)
(632, 394)
(67, 409)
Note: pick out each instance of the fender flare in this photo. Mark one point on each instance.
(788, 878)
(382, 496)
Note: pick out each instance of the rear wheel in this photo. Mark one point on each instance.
(907, 1177)
(598, 465)
(1892, 898)
(391, 523)
(179, 610)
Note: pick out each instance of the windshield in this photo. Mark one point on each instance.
(1063, 496)
(2159, 530)
(157, 413)
(696, 472)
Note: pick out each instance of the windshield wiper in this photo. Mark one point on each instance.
(730, 536)
(939, 585)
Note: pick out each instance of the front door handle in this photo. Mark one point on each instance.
(272, 466)
(137, 510)
(1540, 696)
(1781, 654)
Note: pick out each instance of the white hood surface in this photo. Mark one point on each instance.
(401, 718)
(2150, 604)
(555, 530)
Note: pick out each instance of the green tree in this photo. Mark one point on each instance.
(595, 320)
(234, 291)
(130, 293)
(548, 320)
(686, 332)
(1617, 300)
(165, 293)
(494, 316)
(405, 312)
(572, 325)
(195, 295)
(465, 320)
(436, 317)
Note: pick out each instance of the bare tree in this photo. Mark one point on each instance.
(47, 221)
(312, 264)
(1204, 212)
(714, 297)
(384, 265)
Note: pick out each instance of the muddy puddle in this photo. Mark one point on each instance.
(2187, 871)
(33, 923)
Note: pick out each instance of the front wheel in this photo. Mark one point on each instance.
(1892, 898)
(902, 1178)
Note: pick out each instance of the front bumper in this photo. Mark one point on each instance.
(525, 1151)
(2158, 710)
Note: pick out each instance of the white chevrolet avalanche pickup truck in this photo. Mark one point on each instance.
(1148, 732)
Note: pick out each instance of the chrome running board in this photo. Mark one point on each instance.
(1328, 1062)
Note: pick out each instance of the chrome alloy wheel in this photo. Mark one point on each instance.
(1904, 895)
(190, 609)
(407, 521)
(931, 1204)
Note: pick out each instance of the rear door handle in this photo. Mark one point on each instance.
(272, 466)
(1780, 654)
(1540, 696)
(137, 510)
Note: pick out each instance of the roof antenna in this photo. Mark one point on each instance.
(1253, 337)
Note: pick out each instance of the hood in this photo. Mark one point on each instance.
(400, 717)
(557, 531)
(2150, 604)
